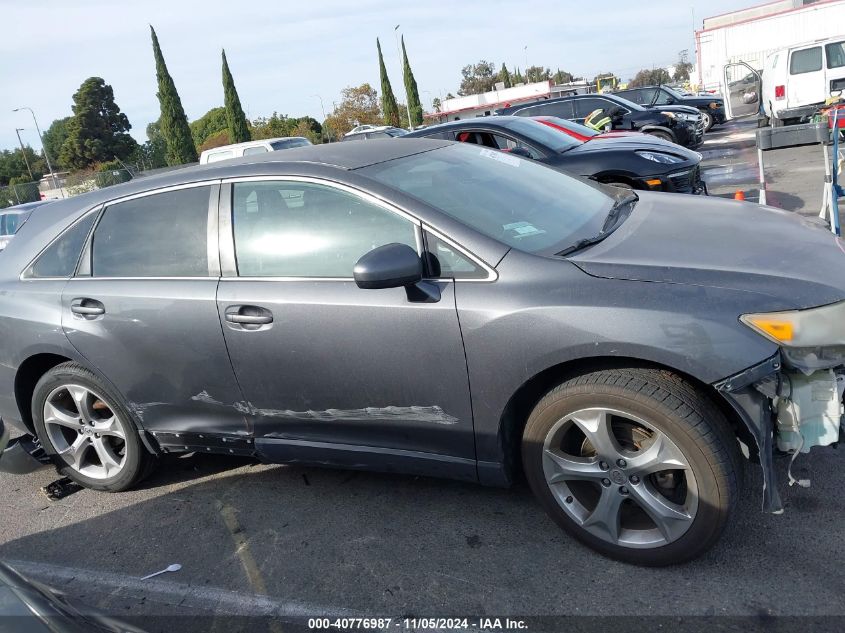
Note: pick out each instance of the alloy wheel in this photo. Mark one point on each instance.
(620, 478)
(85, 431)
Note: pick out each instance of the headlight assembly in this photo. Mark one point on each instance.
(659, 157)
(810, 339)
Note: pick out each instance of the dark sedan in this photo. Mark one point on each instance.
(639, 162)
(434, 308)
(712, 108)
(678, 124)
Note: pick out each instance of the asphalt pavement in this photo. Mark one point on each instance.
(293, 541)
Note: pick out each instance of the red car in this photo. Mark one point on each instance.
(581, 132)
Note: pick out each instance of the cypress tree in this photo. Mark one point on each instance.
(174, 123)
(411, 90)
(389, 109)
(505, 76)
(235, 117)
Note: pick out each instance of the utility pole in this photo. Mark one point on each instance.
(399, 52)
(18, 131)
(43, 148)
(323, 125)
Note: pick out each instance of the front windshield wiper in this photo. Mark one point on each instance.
(611, 223)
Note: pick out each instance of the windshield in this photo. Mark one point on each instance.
(543, 134)
(556, 121)
(673, 92)
(521, 203)
(11, 222)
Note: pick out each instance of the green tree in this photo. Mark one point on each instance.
(411, 90)
(682, 71)
(13, 166)
(436, 104)
(153, 153)
(650, 77)
(534, 74)
(477, 78)
(54, 137)
(358, 105)
(273, 127)
(517, 77)
(235, 117)
(389, 109)
(98, 130)
(563, 77)
(504, 76)
(174, 123)
(208, 124)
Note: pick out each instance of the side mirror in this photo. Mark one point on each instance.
(389, 266)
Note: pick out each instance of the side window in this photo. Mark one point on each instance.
(258, 149)
(663, 97)
(636, 96)
(562, 109)
(296, 229)
(160, 235)
(60, 258)
(835, 55)
(583, 107)
(806, 61)
(507, 144)
(446, 262)
(213, 158)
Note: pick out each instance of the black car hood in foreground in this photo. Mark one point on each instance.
(713, 242)
(644, 142)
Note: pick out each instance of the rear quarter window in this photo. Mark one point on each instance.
(806, 61)
(59, 259)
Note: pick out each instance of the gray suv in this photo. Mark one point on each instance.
(431, 308)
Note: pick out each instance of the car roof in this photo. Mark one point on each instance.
(25, 207)
(502, 121)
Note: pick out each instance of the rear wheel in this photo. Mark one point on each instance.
(635, 463)
(88, 430)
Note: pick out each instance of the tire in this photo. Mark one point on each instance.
(654, 418)
(661, 134)
(88, 431)
(708, 120)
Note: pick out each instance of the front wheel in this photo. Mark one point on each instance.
(708, 120)
(87, 430)
(661, 134)
(635, 463)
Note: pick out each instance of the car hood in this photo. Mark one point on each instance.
(636, 141)
(672, 238)
(675, 108)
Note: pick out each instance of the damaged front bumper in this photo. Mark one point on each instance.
(785, 411)
(21, 455)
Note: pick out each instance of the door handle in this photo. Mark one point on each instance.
(251, 319)
(248, 317)
(87, 308)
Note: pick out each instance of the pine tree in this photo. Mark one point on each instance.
(411, 90)
(505, 76)
(389, 109)
(174, 123)
(235, 117)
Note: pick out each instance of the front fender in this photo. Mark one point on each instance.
(660, 128)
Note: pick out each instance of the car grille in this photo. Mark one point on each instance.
(685, 181)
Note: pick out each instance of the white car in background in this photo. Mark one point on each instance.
(798, 79)
(263, 146)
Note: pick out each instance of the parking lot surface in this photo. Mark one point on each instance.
(295, 541)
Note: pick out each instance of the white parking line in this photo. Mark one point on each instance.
(212, 599)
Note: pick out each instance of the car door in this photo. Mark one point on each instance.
(583, 107)
(141, 309)
(333, 373)
(834, 56)
(806, 83)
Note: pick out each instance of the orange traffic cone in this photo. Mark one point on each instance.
(739, 195)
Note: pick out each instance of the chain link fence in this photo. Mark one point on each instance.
(64, 186)
(18, 194)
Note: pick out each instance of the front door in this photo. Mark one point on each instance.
(743, 85)
(333, 373)
(142, 311)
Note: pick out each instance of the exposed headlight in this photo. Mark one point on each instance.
(671, 115)
(658, 157)
(810, 339)
(714, 105)
(683, 116)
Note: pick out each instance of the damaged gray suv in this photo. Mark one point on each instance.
(431, 308)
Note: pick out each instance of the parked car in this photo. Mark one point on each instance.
(250, 148)
(584, 133)
(371, 132)
(432, 308)
(684, 127)
(797, 80)
(712, 108)
(13, 218)
(639, 163)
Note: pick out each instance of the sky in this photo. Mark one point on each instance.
(286, 56)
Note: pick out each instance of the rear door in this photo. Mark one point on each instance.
(331, 372)
(834, 57)
(806, 83)
(141, 309)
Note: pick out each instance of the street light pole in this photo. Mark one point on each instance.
(401, 63)
(18, 131)
(43, 147)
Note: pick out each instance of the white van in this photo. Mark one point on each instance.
(798, 79)
(252, 147)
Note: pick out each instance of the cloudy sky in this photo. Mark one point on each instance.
(284, 54)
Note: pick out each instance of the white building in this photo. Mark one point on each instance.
(751, 34)
(487, 103)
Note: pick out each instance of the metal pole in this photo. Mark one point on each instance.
(18, 131)
(43, 147)
(402, 63)
(323, 109)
